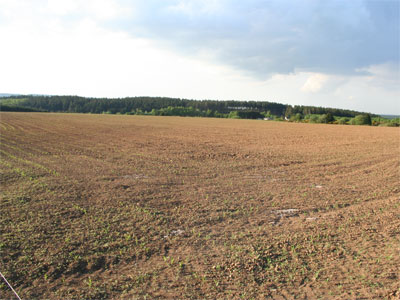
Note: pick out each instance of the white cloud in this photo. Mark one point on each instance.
(85, 59)
(314, 83)
(194, 7)
(101, 10)
(385, 75)
(106, 9)
(57, 7)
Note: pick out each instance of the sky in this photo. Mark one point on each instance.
(330, 53)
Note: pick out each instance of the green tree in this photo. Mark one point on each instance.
(234, 115)
(326, 118)
(314, 119)
(362, 119)
(298, 117)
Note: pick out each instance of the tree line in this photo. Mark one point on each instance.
(163, 106)
(169, 106)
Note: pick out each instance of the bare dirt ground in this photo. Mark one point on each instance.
(107, 206)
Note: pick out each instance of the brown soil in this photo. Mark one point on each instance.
(105, 206)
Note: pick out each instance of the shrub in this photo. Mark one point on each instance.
(245, 115)
(343, 120)
(234, 115)
(296, 118)
(326, 118)
(390, 124)
(362, 120)
(394, 122)
(314, 119)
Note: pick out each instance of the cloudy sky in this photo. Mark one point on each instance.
(333, 53)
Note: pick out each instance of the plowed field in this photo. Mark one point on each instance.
(108, 206)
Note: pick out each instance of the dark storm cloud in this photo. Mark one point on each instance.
(267, 37)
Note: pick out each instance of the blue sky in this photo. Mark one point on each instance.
(326, 53)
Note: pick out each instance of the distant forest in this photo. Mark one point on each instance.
(166, 106)
(163, 106)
